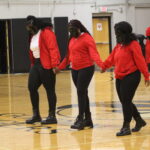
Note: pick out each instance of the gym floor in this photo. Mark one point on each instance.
(106, 110)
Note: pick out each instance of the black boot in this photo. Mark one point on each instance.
(79, 123)
(88, 121)
(51, 119)
(139, 124)
(35, 118)
(125, 130)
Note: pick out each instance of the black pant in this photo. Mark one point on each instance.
(81, 79)
(126, 88)
(38, 75)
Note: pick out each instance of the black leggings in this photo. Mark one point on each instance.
(81, 79)
(126, 89)
(38, 75)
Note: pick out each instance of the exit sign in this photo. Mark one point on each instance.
(103, 9)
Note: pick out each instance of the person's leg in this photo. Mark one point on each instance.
(118, 82)
(138, 119)
(125, 130)
(78, 124)
(34, 83)
(49, 80)
(128, 86)
(82, 79)
(136, 115)
(75, 79)
(88, 117)
(74, 74)
(87, 106)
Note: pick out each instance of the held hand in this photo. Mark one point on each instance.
(147, 82)
(56, 70)
(102, 71)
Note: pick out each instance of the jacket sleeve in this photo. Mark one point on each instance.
(65, 61)
(52, 47)
(95, 56)
(147, 51)
(139, 59)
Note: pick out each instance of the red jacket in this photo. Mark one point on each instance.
(49, 52)
(147, 46)
(126, 60)
(82, 53)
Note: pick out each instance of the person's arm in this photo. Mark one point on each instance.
(31, 58)
(139, 59)
(147, 51)
(51, 43)
(64, 63)
(31, 53)
(96, 57)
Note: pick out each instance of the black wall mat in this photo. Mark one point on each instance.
(61, 31)
(19, 46)
(3, 50)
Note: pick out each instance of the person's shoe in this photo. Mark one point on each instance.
(88, 121)
(50, 120)
(125, 130)
(139, 124)
(33, 120)
(78, 124)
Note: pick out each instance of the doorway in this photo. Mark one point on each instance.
(102, 35)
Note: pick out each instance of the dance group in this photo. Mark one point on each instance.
(81, 55)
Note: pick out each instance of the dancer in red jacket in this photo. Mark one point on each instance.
(147, 47)
(44, 56)
(129, 62)
(82, 54)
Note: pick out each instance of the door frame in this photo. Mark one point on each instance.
(109, 16)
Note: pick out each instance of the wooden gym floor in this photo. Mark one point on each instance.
(15, 108)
